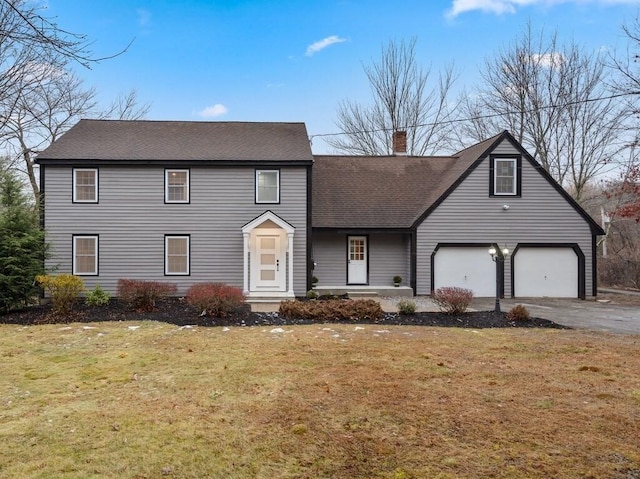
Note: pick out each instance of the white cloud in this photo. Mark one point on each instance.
(548, 60)
(214, 111)
(500, 7)
(324, 43)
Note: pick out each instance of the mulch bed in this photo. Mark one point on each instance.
(176, 311)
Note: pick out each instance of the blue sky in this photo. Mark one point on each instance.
(287, 60)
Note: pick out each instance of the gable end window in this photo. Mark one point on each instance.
(85, 255)
(267, 186)
(176, 255)
(85, 185)
(505, 174)
(176, 186)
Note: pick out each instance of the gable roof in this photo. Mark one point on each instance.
(369, 192)
(374, 192)
(156, 141)
(384, 191)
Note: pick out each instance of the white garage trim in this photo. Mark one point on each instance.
(548, 270)
(465, 266)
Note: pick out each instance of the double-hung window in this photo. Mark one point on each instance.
(85, 255)
(85, 185)
(505, 176)
(267, 186)
(176, 186)
(176, 255)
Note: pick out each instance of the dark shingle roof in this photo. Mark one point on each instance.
(384, 191)
(182, 140)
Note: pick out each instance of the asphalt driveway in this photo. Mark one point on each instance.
(599, 315)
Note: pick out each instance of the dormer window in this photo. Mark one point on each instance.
(505, 176)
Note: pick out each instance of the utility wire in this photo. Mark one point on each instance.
(480, 117)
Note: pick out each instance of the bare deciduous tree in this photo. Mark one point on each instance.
(555, 99)
(402, 100)
(47, 108)
(39, 97)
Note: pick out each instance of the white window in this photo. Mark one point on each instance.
(267, 186)
(176, 261)
(85, 185)
(505, 178)
(176, 186)
(85, 255)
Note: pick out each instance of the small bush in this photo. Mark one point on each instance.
(215, 299)
(312, 294)
(142, 295)
(397, 279)
(63, 289)
(518, 313)
(332, 310)
(97, 296)
(406, 306)
(452, 300)
(314, 280)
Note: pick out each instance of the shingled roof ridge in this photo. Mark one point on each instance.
(233, 122)
(487, 141)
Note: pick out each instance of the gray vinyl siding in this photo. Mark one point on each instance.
(132, 220)
(388, 257)
(469, 215)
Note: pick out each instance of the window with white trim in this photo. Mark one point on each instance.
(267, 186)
(176, 186)
(176, 260)
(85, 255)
(505, 176)
(85, 185)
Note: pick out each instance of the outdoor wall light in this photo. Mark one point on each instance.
(505, 207)
(498, 257)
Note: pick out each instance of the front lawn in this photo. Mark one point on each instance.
(148, 400)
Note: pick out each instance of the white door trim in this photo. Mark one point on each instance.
(283, 287)
(357, 260)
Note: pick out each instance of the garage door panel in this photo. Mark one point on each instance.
(465, 267)
(546, 272)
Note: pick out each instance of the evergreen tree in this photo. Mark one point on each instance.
(22, 245)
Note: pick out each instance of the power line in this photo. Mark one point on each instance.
(480, 117)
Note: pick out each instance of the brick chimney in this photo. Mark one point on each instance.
(400, 143)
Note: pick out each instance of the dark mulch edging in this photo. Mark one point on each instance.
(178, 312)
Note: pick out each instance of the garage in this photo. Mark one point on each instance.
(469, 267)
(546, 272)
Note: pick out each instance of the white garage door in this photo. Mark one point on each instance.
(540, 272)
(466, 267)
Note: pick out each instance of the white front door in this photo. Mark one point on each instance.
(357, 260)
(268, 262)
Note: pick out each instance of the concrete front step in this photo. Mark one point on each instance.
(365, 291)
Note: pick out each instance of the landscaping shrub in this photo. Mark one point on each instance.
(452, 299)
(215, 299)
(332, 310)
(97, 296)
(63, 289)
(518, 313)
(142, 295)
(312, 294)
(406, 306)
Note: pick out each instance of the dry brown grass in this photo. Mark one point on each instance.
(116, 401)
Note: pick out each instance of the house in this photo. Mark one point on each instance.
(249, 205)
